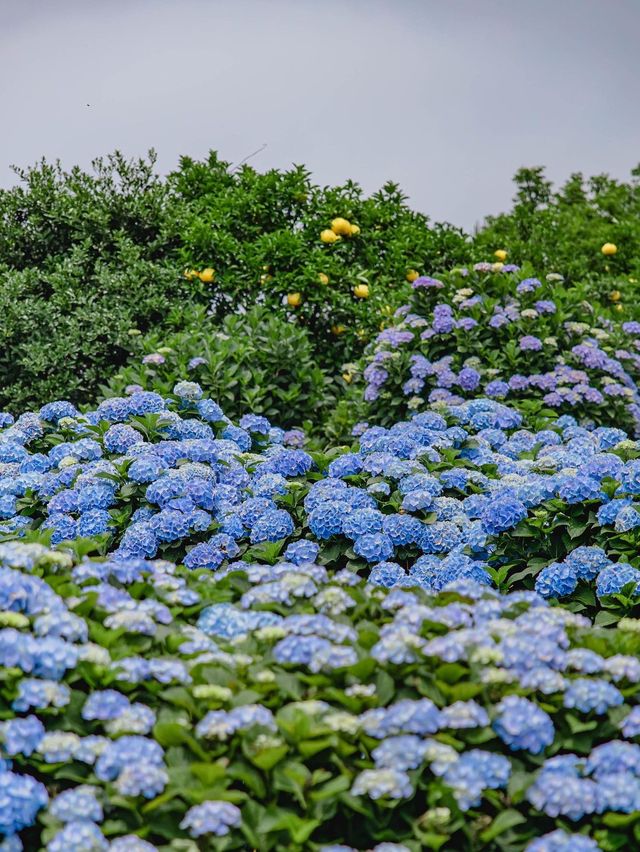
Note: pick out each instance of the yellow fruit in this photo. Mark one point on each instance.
(323, 279)
(328, 236)
(207, 275)
(347, 377)
(411, 276)
(341, 226)
(500, 254)
(294, 299)
(609, 248)
(615, 295)
(355, 230)
(338, 329)
(618, 307)
(190, 274)
(361, 291)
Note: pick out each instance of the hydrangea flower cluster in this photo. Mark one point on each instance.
(448, 345)
(367, 625)
(528, 664)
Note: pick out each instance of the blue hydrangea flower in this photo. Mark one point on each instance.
(273, 525)
(592, 695)
(374, 547)
(77, 803)
(387, 574)
(77, 836)
(142, 780)
(21, 736)
(560, 841)
(211, 817)
(613, 579)
(302, 551)
(503, 513)
(557, 580)
(522, 725)
(21, 799)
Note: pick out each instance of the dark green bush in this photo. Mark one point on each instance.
(86, 256)
(64, 329)
(255, 362)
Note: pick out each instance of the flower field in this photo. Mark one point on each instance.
(401, 613)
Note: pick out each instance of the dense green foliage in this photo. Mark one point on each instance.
(256, 362)
(564, 229)
(86, 257)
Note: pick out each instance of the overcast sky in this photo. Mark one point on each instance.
(446, 97)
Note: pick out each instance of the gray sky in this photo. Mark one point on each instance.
(446, 97)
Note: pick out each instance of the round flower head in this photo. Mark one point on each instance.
(212, 817)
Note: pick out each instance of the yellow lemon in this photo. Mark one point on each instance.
(341, 226)
(294, 299)
(323, 279)
(618, 307)
(615, 295)
(328, 236)
(411, 276)
(361, 291)
(207, 275)
(355, 230)
(500, 254)
(338, 329)
(347, 377)
(609, 248)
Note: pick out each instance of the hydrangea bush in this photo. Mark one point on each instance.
(211, 635)
(497, 330)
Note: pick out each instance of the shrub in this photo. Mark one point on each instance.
(500, 331)
(69, 327)
(52, 213)
(261, 693)
(566, 229)
(252, 363)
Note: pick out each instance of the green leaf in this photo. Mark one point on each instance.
(268, 758)
(208, 773)
(503, 822)
(173, 734)
(332, 788)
